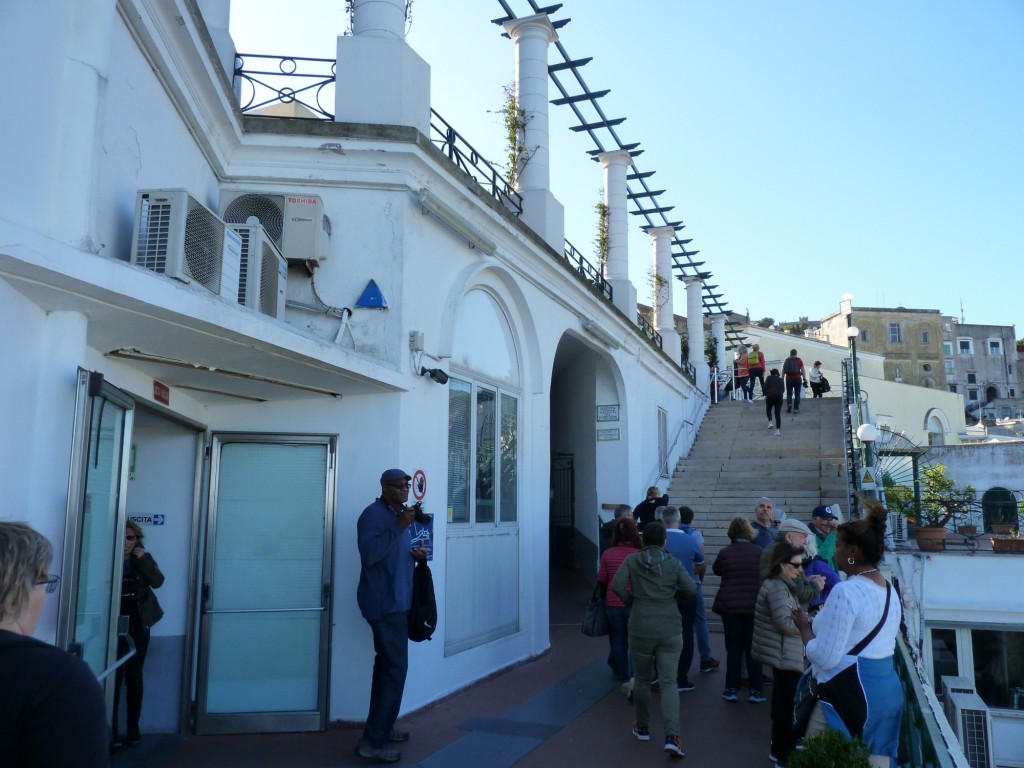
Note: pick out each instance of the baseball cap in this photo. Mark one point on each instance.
(390, 475)
(791, 525)
(823, 511)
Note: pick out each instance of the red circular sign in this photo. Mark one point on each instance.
(419, 484)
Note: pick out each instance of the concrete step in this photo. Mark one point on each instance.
(736, 459)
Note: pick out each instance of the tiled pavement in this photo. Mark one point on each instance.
(562, 709)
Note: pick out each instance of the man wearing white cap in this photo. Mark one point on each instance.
(796, 533)
(384, 595)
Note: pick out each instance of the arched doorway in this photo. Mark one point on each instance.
(999, 507)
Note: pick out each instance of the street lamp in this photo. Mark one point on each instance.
(852, 333)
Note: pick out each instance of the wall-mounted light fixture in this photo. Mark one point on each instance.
(430, 203)
(600, 333)
(436, 375)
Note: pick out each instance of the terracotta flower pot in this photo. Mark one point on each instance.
(1007, 545)
(931, 539)
(967, 530)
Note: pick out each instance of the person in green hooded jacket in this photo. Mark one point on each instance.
(650, 582)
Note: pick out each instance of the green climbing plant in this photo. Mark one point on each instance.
(601, 239)
(515, 120)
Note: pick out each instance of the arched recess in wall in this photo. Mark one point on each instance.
(936, 424)
(504, 288)
(486, 441)
(999, 507)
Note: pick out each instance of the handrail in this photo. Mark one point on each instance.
(464, 155)
(668, 452)
(590, 273)
(648, 329)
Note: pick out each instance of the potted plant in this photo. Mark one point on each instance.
(1012, 542)
(831, 749)
(941, 501)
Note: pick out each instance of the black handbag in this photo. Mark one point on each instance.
(595, 619)
(842, 690)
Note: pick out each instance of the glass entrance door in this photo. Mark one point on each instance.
(265, 623)
(96, 504)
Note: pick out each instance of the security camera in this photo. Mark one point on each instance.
(436, 375)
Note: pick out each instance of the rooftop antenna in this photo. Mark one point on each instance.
(961, 311)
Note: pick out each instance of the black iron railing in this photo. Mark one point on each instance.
(591, 273)
(462, 153)
(648, 329)
(266, 80)
(263, 81)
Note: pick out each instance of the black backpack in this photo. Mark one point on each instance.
(823, 385)
(423, 611)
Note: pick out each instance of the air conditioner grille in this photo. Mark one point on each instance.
(243, 276)
(268, 280)
(204, 241)
(154, 232)
(269, 209)
(974, 737)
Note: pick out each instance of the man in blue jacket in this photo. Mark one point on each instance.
(685, 548)
(384, 595)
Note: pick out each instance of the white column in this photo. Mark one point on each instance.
(381, 80)
(379, 18)
(718, 331)
(541, 211)
(695, 332)
(661, 299)
(616, 264)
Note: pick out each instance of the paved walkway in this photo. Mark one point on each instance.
(562, 709)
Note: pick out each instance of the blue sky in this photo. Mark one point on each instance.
(811, 148)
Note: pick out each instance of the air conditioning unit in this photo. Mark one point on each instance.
(296, 223)
(973, 727)
(264, 271)
(951, 684)
(178, 236)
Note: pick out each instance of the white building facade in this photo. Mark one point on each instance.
(247, 438)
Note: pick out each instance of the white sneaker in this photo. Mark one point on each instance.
(770, 423)
(778, 433)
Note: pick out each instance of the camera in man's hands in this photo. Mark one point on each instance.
(421, 517)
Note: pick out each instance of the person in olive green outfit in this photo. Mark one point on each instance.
(649, 582)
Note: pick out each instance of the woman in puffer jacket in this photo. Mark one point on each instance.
(777, 642)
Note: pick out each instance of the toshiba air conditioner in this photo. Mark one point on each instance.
(264, 271)
(296, 223)
(178, 236)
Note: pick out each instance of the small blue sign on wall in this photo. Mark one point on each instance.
(372, 298)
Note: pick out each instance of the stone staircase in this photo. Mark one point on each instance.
(736, 459)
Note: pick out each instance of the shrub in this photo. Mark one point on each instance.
(831, 749)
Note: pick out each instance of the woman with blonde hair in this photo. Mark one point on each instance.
(51, 708)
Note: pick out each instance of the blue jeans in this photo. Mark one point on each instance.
(391, 643)
(700, 624)
(688, 615)
(793, 393)
(618, 634)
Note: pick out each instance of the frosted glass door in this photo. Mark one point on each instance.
(266, 588)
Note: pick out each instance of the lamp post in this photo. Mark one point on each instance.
(852, 333)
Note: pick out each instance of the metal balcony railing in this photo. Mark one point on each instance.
(592, 274)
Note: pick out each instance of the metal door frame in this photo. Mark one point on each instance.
(92, 384)
(264, 722)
